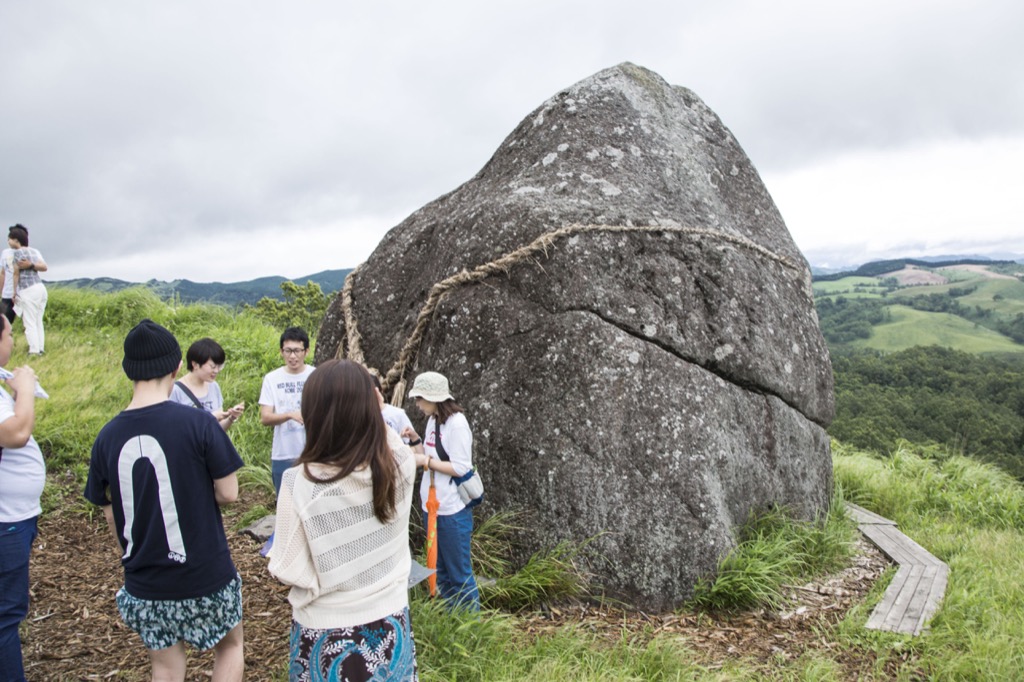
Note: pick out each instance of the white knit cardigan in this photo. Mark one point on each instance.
(345, 567)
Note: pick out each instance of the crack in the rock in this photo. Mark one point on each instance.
(706, 366)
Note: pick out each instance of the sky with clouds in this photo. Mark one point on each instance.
(234, 139)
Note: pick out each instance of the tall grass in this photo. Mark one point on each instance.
(920, 484)
(773, 550)
(547, 576)
(970, 515)
(469, 648)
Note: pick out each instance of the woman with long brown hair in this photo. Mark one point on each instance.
(342, 534)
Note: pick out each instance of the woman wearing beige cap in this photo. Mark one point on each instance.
(448, 431)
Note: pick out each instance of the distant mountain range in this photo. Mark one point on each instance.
(881, 267)
(251, 291)
(225, 293)
(819, 270)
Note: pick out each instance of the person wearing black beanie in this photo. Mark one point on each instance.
(150, 352)
(160, 471)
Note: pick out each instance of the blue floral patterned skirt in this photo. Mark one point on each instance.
(381, 650)
(200, 621)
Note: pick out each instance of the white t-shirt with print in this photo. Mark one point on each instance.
(283, 391)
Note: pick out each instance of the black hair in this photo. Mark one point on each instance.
(19, 232)
(375, 375)
(204, 350)
(295, 334)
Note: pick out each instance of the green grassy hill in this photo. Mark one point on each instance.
(977, 309)
(851, 287)
(1002, 296)
(929, 362)
(908, 328)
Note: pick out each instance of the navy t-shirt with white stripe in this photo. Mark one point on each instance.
(156, 465)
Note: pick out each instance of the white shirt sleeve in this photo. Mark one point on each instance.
(266, 392)
(457, 439)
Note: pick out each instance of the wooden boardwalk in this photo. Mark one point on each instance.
(916, 590)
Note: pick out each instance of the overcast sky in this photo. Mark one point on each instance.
(231, 139)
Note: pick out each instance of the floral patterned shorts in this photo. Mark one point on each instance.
(381, 650)
(200, 621)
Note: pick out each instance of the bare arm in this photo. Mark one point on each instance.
(228, 417)
(225, 490)
(442, 466)
(270, 418)
(422, 459)
(26, 264)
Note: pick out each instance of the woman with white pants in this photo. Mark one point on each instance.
(29, 291)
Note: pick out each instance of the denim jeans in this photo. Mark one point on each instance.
(455, 581)
(277, 469)
(15, 546)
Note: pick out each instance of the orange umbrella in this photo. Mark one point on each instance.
(432, 505)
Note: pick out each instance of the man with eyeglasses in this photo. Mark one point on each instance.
(281, 400)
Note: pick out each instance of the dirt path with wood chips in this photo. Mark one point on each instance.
(73, 630)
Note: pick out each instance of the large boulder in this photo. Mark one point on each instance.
(650, 381)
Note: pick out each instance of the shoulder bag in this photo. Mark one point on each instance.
(469, 485)
(190, 394)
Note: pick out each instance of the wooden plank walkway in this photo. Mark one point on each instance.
(916, 590)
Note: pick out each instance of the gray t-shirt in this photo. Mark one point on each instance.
(213, 401)
(27, 278)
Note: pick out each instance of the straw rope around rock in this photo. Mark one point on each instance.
(353, 339)
(396, 375)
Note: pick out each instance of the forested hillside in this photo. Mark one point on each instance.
(971, 404)
(929, 353)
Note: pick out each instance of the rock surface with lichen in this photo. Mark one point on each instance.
(648, 384)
